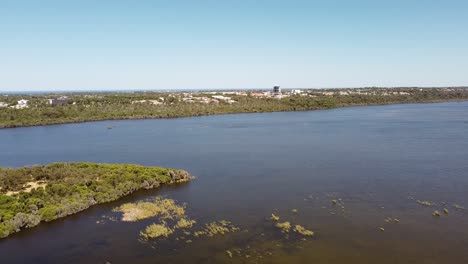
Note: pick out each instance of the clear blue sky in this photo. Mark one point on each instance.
(116, 44)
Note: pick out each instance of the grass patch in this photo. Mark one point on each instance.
(284, 226)
(216, 228)
(185, 223)
(301, 230)
(163, 208)
(156, 231)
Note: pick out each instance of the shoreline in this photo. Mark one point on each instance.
(123, 118)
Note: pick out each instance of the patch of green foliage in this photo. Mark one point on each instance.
(71, 188)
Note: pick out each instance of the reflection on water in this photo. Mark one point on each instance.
(349, 173)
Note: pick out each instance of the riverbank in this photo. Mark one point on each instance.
(77, 108)
(31, 195)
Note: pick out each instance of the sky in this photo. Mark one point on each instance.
(177, 44)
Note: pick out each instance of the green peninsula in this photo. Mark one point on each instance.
(31, 195)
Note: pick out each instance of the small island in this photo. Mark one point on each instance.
(31, 195)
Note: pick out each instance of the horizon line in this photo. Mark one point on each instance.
(216, 89)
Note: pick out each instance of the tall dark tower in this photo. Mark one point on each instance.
(276, 89)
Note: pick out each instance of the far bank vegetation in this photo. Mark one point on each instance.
(81, 107)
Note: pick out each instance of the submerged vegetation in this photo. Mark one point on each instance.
(284, 226)
(156, 230)
(216, 228)
(68, 188)
(389, 220)
(425, 203)
(163, 208)
(274, 217)
(169, 216)
(184, 223)
(170, 219)
(301, 230)
(459, 207)
(170, 222)
(81, 107)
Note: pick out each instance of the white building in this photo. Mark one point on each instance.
(155, 102)
(2, 104)
(220, 97)
(296, 91)
(21, 104)
(224, 98)
(62, 100)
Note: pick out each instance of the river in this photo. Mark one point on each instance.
(375, 161)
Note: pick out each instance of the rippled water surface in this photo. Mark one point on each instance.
(375, 161)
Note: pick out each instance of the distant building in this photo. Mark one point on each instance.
(223, 98)
(155, 102)
(276, 89)
(220, 97)
(2, 104)
(21, 104)
(296, 91)
(63, 100)
(258, 94)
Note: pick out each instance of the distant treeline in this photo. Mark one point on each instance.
(43, 193)
(83, 107)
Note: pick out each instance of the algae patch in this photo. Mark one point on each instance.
(389, 220)
(164, 208)
(274, 217)
(459, 207)
(185, 223)
(285, 226)
(170, 217)
(156, 230)
(301, 230)
(425, 203)
(216, 228)
(254, 251)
